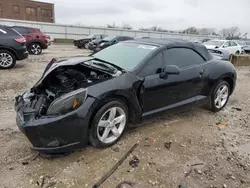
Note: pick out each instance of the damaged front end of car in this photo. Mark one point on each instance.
(54, 114)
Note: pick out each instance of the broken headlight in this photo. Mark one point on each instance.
(67, 103)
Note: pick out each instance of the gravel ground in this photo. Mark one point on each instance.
(192, 149)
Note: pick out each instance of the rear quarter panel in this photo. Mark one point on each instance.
(38, 37)
(218, 70)
(7, 41)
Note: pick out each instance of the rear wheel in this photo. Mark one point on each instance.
(109, 124)
(219, 96)
(7, 59)
(35, 48)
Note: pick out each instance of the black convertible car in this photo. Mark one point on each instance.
(92, 99)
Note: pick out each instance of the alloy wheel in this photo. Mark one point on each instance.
(111, 125)
(86, 45)
(36, 49)
(5, 60)
(221, 96)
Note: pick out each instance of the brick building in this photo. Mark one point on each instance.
(27, 10)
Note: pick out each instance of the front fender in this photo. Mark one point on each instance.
(125, 87)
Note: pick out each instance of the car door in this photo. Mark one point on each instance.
(160, 94)
(234, 47)
(192, 73)
(227, 45)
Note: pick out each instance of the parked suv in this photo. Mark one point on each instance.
(36, 40)
(12, 47)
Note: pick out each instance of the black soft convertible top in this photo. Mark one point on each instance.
(175, 43)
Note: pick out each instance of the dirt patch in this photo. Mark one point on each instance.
(206, 150)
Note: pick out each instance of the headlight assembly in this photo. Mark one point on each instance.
(68, 102)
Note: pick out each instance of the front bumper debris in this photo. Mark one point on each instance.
(52, 134)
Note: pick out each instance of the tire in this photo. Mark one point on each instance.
(7, 59)
(35, 48)
(86, 45)
(219, 96)
(106, 133)
(237, 52)
(81, 44)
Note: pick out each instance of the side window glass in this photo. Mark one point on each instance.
(155, 66)
(30, 30)
(182, 57)
(233, 43)
(98, 36)
(21, 30)
(119, 38)
(227, 44)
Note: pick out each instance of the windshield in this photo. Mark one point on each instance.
(110, 38)
(125, 55)
(214, 42)
(90, 36)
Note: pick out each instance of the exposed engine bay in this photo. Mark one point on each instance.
(60, 81)
(66, 79)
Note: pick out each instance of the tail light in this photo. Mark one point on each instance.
(20, 40)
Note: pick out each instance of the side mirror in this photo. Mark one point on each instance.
(168, 70)
(115, 41)
(225, 46)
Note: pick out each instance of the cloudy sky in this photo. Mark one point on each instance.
(168, 14)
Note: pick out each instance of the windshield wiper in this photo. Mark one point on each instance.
(111, 64)
(109, 67)
(102, 65)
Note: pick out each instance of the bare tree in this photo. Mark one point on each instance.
(153, 28)
(191, 30)
(112, 25)
(230, 33)
(206, 31)
(127, 26)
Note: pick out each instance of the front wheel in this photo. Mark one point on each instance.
(35, 49)
(109, 124)
(219, 96)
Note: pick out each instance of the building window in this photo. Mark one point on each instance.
(15, 9)
(30, 11)
(46, 13)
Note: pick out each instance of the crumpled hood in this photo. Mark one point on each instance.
(211, 46)
(64, 62)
